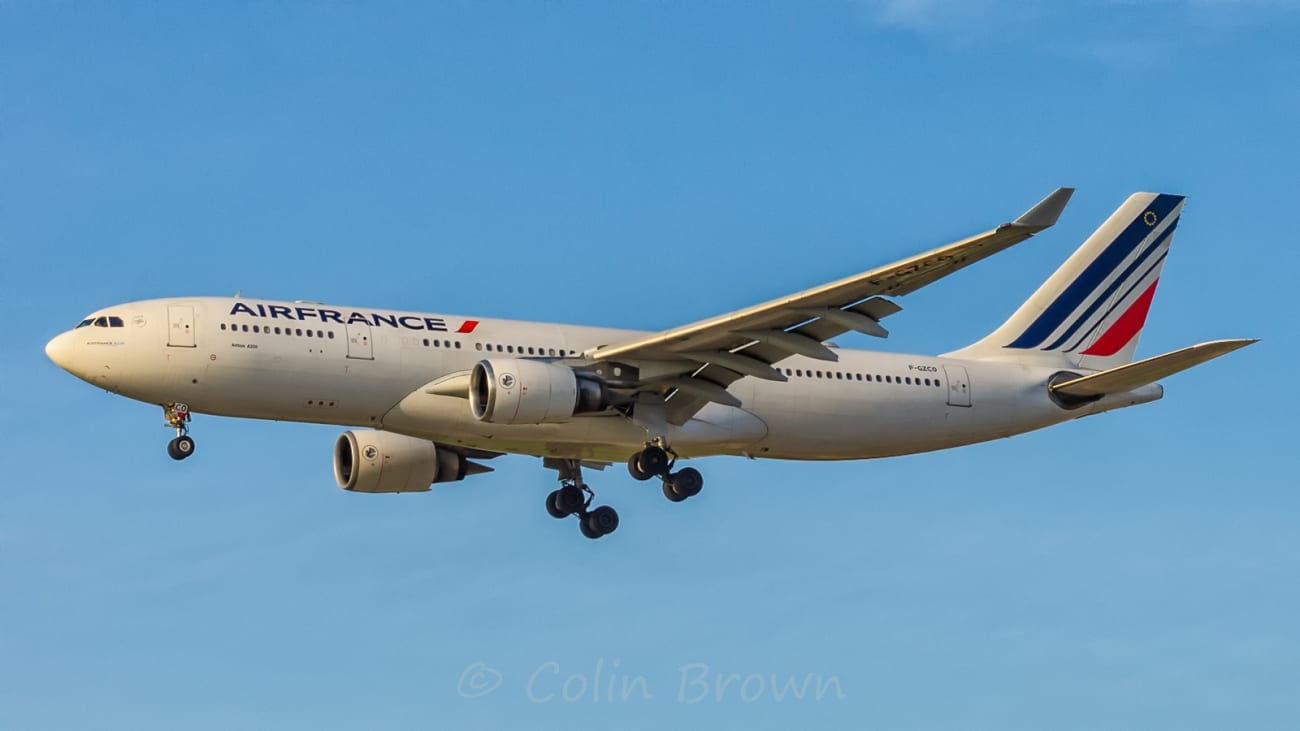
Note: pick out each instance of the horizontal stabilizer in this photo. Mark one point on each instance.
(1135, 375)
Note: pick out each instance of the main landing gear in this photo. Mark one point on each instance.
(574, 498)
(656, 460)
(178, 418)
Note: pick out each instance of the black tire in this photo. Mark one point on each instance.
(653, 461)
(671, 493)
(551, 506)
(569, 499)
(687, 481)
(180, 448)
(634, 468)
(586, 530)
(602, 520)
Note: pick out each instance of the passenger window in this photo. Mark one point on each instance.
(309, 333)
(859, 376)
(331, 334)
(320, 333)
(256, 329)
(510, 348)
(299, 332)
(889, 379)
(426, 342)
(530, 350)
(245, 328)
(551, 352)
(478, 346)
(223, 326)
(457, 345)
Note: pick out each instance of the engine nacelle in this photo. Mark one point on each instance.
(520, 391)
(380, 461)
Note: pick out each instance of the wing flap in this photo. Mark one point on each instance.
(1135, 375)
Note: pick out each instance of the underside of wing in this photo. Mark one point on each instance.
(694, 364)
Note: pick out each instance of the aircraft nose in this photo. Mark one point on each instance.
(59, 350)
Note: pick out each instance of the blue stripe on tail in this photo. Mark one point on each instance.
(1119, 282)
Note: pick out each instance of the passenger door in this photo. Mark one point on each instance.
(180, 326)
(958, 386)
(359, 344)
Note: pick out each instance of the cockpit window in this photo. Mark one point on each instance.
(105, 321)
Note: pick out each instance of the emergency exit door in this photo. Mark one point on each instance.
(180, 326)
(359, 345)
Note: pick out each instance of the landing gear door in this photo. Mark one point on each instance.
(958, 386)
(359, 344)
(180, 326)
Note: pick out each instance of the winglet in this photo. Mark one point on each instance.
(1049, 209)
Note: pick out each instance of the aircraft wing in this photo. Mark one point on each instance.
(711, 354)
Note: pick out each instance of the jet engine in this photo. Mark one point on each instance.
(520, 391)
(380, 461)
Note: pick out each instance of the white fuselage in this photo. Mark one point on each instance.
(366, 367)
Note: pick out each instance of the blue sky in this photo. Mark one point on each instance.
(646, 164)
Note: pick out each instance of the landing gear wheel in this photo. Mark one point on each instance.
(600, 522)
(687, 481)
(634, 468)
(551, 507)
(575, 497)
(670, 492)
(180, 447)
(568, 500)
(652, 460)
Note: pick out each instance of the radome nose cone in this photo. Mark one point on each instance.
(59, 349)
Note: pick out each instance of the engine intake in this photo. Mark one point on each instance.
(380, 461)
(520, 391)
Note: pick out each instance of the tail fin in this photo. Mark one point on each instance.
(1090, 313)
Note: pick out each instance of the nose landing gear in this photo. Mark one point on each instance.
(178, 417)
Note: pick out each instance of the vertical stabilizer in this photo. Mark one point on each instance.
(1090, 313)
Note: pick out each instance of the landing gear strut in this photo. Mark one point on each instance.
(574, 498)
(178, 418)
(657, 460)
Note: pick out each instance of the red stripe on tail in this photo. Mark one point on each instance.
(1126, 327)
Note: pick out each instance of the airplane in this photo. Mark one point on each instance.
(430, 397)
